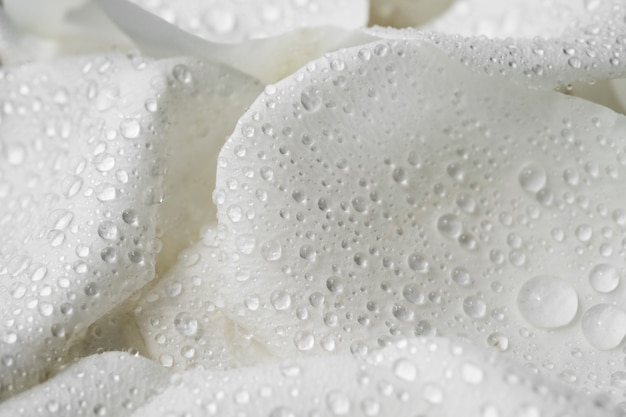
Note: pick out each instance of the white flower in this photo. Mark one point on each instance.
(392, 233)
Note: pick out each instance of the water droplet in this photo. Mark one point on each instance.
(311, 98)
(108, 254)
(106, 192)
(55, 238)
(182, 74)
(450, 225)
(104, 162)
(108, 231)
(461, 276)
(307, 253)
(304, 341)
(466, 203)
(472, 374)
(131, 217)
(185, 324)
(338, 403)
(413, 294)
(547, 302)
(533, 178)
(604, 326)
(604, 278)
(234, 213)
(498, 341)
(130, 128)
(418, 263)
(91, 289)
(474, 307)
(584, 233)
(281, 300)
(405, 369)
(271, 250)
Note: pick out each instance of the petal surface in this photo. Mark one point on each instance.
(386, 192)
(93, 186)
(113, 383)
(230, 22)
(587, 44)
(268, 59)
(425, 376)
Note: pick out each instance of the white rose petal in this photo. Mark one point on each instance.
(407, 196)
(111, 384)
(232, 22)
(268, 59)
(426, 376)
(84, 173)
(588, 45)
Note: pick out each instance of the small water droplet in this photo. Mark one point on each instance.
(450, 225)
(182, 74)
(281, 300)
(405, 369)
(311, 98)
(474, 307)
(418, 263)
(604, 278)
(498, 341)
(186, 324)
(532, 178)
(130, 128)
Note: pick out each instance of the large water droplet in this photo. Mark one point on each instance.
(604, 326)
(547, 302)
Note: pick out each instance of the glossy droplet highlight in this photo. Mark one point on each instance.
(547, 302)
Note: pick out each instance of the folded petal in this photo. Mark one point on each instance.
(385, 191)
(87, 198)
(268, 59)
(586, 44)
(230, 22)
(113, 383)
(425, 376)
(185, 324)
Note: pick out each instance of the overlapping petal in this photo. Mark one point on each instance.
(587, 44)
(268, 59)
(85, 167)
(231, 22)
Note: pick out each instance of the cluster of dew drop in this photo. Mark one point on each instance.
(368, 216)
(79, 191)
